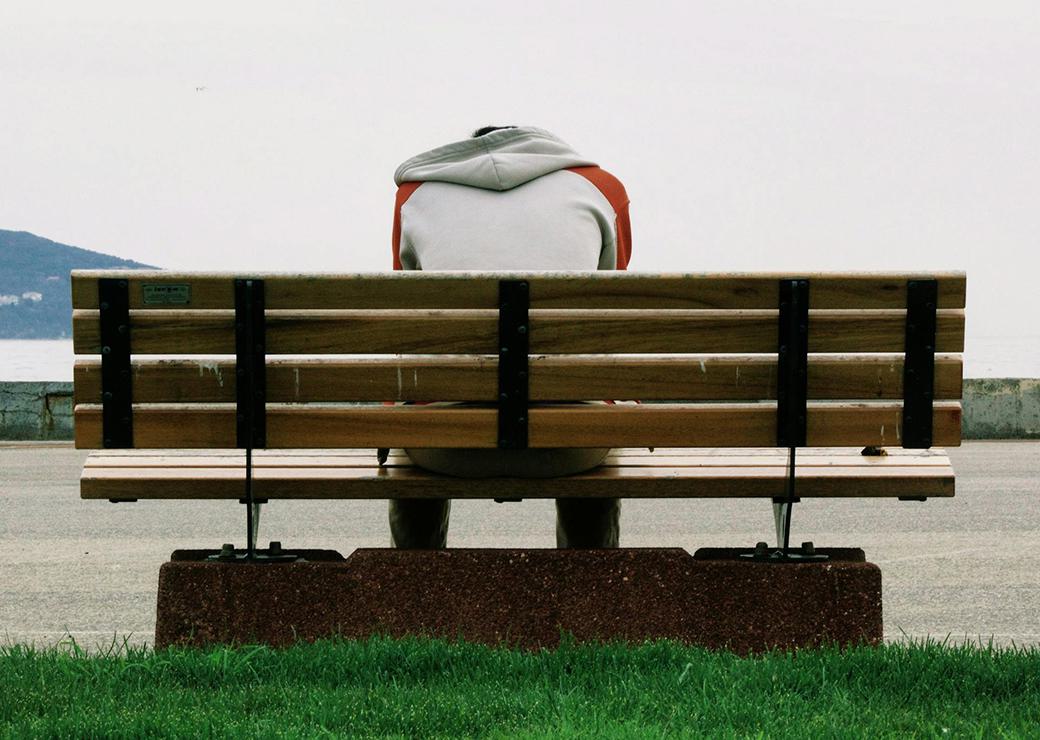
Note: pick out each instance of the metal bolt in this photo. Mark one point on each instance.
(122, 283)
(522, 374)
(104, 305)
(108, 441)
(521, 420)
(521, 329)
(123, 329)
(503, 350)
(107, 395)
(504, 396)
(523, 285)
(106, 350)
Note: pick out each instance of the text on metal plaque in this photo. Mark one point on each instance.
(166, 295)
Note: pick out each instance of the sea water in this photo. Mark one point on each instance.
(984, 357)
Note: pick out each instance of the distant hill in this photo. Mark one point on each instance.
(35, 300)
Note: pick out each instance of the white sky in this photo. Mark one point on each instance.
(794, 136)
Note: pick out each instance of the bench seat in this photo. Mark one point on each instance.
(628, 472)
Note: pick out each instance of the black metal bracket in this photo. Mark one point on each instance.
(117, 416)
(513, 345)
(806, 554)
(792, 372)
(250, 364)
(919, 363)
(250, 386)
(273, 554)
(792, 385)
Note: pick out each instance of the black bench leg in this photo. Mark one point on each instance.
(781, 514)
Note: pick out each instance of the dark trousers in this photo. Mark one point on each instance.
(423, 523)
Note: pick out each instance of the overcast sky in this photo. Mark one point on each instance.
(795, 136)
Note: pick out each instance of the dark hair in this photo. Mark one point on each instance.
(488, 129)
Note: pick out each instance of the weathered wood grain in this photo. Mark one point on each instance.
(548, 290)
(551, 331)
(552, 378)
(697, 476)
(564, 425)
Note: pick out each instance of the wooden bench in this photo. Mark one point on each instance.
(183, 375)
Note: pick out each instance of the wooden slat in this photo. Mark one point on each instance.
(564, 425)
(548, 290)
(552, 378)
(552, 331)
(660, 481)
(351, 452)
(615, 459)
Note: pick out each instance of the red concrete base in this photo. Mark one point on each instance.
(524, 598)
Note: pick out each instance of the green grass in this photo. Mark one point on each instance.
(422, 688)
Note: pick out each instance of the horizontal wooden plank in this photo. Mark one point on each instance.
(552, 378)
(606, 289)
(329, 459)
(659, 481)
(709, 454)
(551, 331)
(564, 425)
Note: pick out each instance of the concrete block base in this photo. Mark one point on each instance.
(524, 598)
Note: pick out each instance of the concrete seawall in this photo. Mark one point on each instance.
(35, 410)
(994, 408)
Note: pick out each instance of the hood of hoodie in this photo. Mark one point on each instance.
(501, 160)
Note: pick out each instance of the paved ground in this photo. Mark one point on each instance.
(967, 567)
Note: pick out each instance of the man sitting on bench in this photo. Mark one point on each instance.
(508, 198)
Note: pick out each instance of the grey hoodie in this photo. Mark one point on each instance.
(513, 199)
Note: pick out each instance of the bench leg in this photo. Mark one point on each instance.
(256, 521)
(779, 514)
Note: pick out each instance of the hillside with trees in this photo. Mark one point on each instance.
(35, 301)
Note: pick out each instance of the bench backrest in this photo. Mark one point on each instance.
(708, 347)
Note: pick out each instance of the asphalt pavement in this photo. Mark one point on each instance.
(965, 568)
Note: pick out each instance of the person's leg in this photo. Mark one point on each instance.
(588, 522)
(419, 523)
